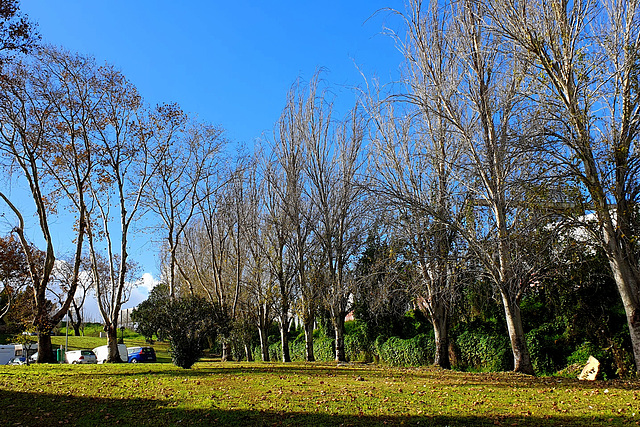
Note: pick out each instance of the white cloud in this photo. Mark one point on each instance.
(139, 293)
(148, 282)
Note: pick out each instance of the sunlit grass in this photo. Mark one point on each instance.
(305, 394)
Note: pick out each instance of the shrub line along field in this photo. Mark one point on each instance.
(256, 393)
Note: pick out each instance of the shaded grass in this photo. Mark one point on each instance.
(304, 394)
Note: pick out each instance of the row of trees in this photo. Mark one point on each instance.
(511, 140)
(79, 138)
(505, 138)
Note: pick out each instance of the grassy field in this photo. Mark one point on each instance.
(246, 394)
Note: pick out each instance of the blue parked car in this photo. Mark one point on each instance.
(141, 354)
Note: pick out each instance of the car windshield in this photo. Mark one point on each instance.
(147, 350)
(87, 353)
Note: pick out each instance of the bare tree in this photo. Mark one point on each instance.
(63, 277)
(293, 192)
(258, 281)
(479, 91)
(335, 167)
(215, 250)
(278, 249)
(585, 57)
(188, 157)
(414, 177)
(124, 144)
(46, 134)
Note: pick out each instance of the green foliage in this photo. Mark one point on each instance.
(148, 314)
(582, 352)
(380, 299)
(188, 323)
(483, 348)
(323, 349)
(416, 351)
(546, 348)
(577, 312)
(414, 322)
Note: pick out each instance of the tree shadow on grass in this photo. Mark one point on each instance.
(44, 409)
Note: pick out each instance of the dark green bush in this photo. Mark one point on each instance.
(275, 352)
(484, 350)
(323, 349)
(582, 353)
(357, 345)
(416, 351)
(546, 348)
(188, 323)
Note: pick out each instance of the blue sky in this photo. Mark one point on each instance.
(231, 63)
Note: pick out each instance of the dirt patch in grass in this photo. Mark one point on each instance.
(304, 394)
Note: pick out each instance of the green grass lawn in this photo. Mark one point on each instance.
(247, 394)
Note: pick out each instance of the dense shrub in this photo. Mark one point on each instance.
(415, 351)
(149, 314)
(546, 348)
(358, 346)
(188, 323)
(323, 349)
(483, 349)
(582, 352)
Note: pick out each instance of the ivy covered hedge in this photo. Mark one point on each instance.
(483, 351)
(477, 345)
(415, 351)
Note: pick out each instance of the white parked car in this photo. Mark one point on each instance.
(80, 356)
(18, 360)
(102, 353)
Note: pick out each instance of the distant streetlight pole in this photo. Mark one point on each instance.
(121, 329)
(66, 343)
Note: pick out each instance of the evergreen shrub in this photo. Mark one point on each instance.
(546, 348)
(484, 350)
(416, 351)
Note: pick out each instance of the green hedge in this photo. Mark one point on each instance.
(546, 348)
(484, 351)
(415, 351)
(322, 348)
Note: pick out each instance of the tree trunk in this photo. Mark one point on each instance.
(76, 328)
(45, 350)
(226, 351)
(247, 351)
(284, 339)
(521, 358)
(308, 339)
(77, 321)
(264, 344)
(338, 326)
(440, 324)
(112, 342)
(627, 283)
